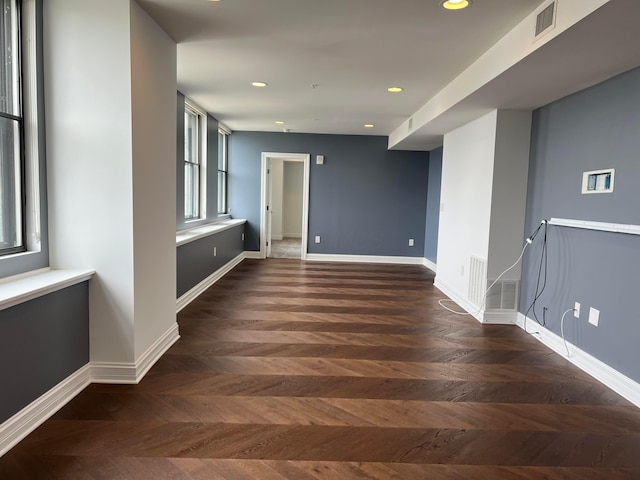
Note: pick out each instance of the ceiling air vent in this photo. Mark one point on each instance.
(546, 19)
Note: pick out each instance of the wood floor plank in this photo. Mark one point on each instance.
(295, 370)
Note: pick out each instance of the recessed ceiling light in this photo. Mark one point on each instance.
(394, 89)
(215, 0)
(279, 122)
(369, 125)
(259, 84)
(455, 4)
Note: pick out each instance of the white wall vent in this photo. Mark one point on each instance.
(546, 19)
(477, 279)
(503, 296)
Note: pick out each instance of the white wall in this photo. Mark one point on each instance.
(467, 182)
(293, 179)
(509, 195)
(153, 86)
(483, 203)
(90, 191)
(110, 87)
(276, 174)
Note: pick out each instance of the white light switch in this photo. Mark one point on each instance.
(594, 316)
(411, 242)
(317, 238)
(319, 159)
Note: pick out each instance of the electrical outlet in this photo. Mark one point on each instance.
(317, 238)
(215, 251)
(594, 316)
(411, 242)
(576, 310)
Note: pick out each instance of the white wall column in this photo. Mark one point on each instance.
(483, 200)
(110, 88)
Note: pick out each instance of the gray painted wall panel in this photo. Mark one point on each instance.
(365, 199)
(196, 261)
(433, 205)
(42, 342)
(595, 128)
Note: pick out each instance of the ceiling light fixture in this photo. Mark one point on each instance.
(455, 4)
(279, 122)
(369, 125)
(259, 84)
(395, 89)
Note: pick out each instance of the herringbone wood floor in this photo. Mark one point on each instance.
(292, 370)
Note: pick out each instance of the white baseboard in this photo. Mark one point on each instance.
(292, 235)
(616, 381)
(37, 412)
(196, 291)
(276, 237)
(488, 317)
(133, 373)
(463, 303)
(254, 255)
(322, 257)
(430, 265)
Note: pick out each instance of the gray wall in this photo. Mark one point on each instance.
(196, 261)
(595, 128)
(433, 206)
(365, 200)
(42, 342)
(212, 169)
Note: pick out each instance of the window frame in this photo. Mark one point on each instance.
(15, 192)
(223, 170)
(190, 108)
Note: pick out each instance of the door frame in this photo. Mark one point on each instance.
(264, 201)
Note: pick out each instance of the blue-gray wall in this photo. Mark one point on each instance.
(212, 169)
(433, 206)
(42, 342)
(596, 128)
(364, 200)
(196, 261)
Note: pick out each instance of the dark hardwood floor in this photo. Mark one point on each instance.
(292, 370)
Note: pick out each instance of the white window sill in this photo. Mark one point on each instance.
(22, 288)
(195, 233)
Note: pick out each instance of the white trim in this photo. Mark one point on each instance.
(155, 351)
(254, 255)
(118, 373)
(192, 294)
(276, 237)
(465, 304)
(304, 157)
(133, 373)
(487, 317)
(25, 287)
(37, 412)
(292, 235)
(616, 381)
(323, 257)
(600, 226)
(201, 231)
(430, 265)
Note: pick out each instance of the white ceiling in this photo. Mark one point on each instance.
(352, 50)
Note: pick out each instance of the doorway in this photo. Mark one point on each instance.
(285, 205)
